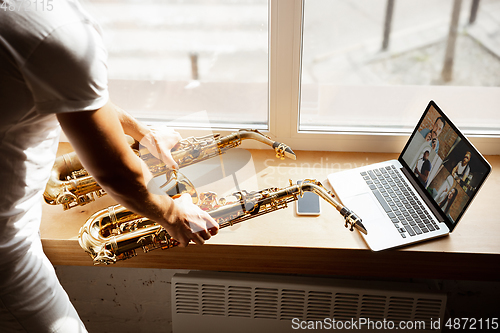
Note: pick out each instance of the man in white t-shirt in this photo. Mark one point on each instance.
(461, 171)
(53, 74)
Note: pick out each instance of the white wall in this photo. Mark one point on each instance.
(114, 299)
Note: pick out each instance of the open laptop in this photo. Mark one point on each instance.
(421, 195)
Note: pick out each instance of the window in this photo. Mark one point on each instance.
(370, 67)
(315, 74)
(188, 60)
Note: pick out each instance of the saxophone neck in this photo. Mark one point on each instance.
(249, 205)
(282, 150)
(196, 149)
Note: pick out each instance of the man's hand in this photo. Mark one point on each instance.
(434, 144)
(159, 142)
(189, 222)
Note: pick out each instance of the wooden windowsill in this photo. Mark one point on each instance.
(282, 242)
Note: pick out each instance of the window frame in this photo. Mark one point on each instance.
(285, 33)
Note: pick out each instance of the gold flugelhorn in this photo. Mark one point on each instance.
(114, 233)
(70, 184)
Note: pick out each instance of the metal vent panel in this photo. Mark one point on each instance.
(255, 299)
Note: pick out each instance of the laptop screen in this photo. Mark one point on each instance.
(444, 163)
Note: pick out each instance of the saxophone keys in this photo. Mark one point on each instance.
(67, 199)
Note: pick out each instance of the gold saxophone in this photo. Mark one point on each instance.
(70, 185)
(115, 233)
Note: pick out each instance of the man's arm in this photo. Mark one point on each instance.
(159, 142)
(454, 171)
(98, 139)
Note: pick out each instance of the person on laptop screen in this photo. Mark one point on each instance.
(423, 167)
(431, 134)
(446, 203)
(461, 171)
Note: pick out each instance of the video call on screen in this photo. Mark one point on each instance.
(447, 166)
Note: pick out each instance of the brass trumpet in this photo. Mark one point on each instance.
(114, 233)
(70, 184)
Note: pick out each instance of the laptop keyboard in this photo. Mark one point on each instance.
(399, 202)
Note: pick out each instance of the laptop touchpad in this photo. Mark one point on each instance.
(366, 207)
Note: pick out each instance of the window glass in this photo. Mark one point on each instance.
(355, 80)
(172, 59)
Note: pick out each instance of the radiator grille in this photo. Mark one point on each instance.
(246, 297)
(213, 300)
(292, 303)
(239, 301)
(187, 298)
(319, 305)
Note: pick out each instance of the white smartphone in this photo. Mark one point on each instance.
(308, 204)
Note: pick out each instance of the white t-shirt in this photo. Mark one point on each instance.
(50, 62)
(462, 170)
